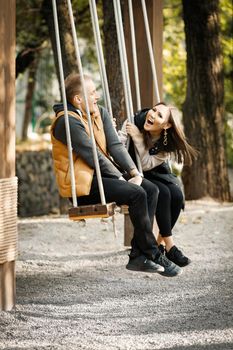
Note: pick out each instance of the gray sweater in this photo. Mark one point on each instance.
(81, 143)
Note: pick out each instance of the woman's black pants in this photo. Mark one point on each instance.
(170, 202)
(142, 202)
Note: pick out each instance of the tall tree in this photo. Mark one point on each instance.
(203, 109)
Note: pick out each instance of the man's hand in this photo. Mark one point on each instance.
(121, 178)
(137, 180)
(114, 123)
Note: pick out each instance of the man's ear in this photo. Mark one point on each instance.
(77, 100)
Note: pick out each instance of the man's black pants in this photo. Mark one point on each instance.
(142, 202)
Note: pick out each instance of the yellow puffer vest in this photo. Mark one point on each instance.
(83, 172)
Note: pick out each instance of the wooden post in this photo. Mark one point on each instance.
(155, 18)
(7, 285)
(7, 151)
(128, 229)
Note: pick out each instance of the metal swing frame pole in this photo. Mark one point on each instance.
(94, 149)
(100, 55)
(125, 70)
(134, 52)
(63, 92)
(151, 53)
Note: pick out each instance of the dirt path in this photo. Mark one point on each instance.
(73, 291)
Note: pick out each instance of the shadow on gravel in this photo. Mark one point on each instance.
(218, 346)
(31, 348)
(99, 256)
(81, 296)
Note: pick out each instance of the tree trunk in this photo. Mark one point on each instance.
(203, 110)
(67, 45)
(113, 66)
(29, 97)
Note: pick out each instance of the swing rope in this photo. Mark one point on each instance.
(100, 55)
(77, 213)
(134, 54)
(123, 60)
(125, 71)
(94, 149)
(63, 92)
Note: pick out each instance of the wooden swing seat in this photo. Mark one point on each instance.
(92, 211)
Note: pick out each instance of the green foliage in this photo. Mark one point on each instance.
(229, 142)
(174, 53)
(226, 23)
(31, 30)
(174, 60)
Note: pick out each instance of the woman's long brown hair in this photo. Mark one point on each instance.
(176, 140)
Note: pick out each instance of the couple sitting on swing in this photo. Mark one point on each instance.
(155, 193)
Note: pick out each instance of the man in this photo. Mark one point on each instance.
(139, 194)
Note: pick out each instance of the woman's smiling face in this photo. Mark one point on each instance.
(157, 119)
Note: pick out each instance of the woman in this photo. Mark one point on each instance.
(157, 134)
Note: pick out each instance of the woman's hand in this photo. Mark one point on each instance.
(132, 130)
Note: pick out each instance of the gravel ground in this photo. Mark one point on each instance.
(73, 291)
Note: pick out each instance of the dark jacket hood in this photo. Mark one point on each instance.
(140, 117)
(60, 107)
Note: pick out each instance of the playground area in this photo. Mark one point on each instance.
(73, 291)
(64, 284)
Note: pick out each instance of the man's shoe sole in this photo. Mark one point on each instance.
(182, 265)
(166, 274)
(186, 264)
(140, 269)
